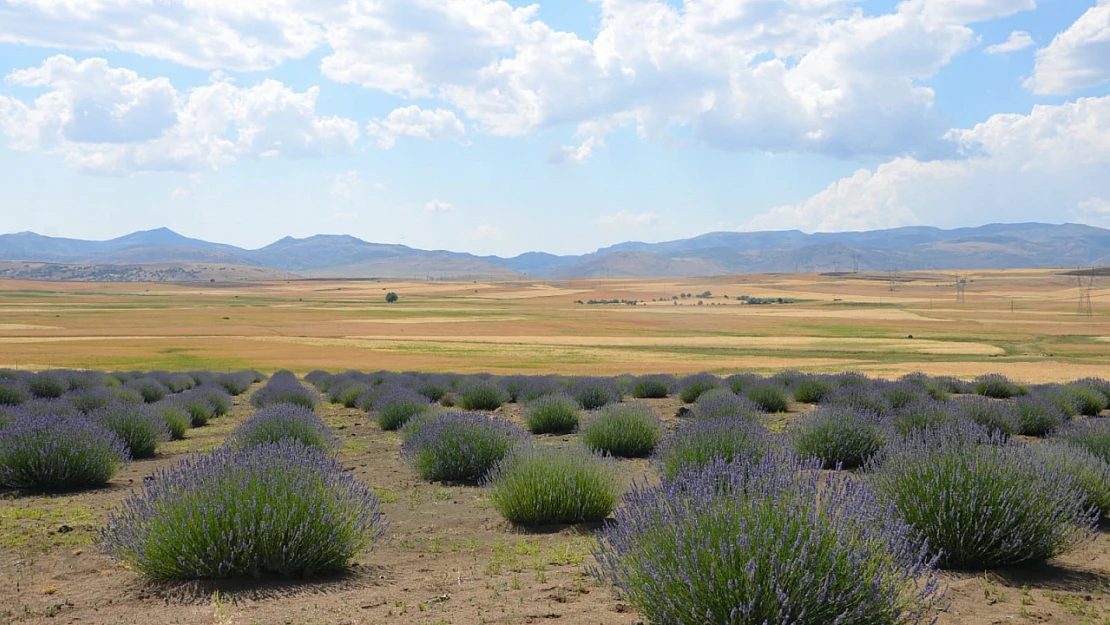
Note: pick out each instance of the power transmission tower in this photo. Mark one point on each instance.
(961, 289)
(892, 284)
(855, 261)
(1086, 285)
(836, 266)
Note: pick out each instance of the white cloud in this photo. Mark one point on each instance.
(344, 185)
(413, 121)
(776, 75)
(1018, 40)
(435, 206)
(1077, 58)
(1093, 211)
(628, 220)
(181, 193)
(108, 120)
(1015, 165)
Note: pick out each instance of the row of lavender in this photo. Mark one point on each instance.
(63, 429)
(735, 530)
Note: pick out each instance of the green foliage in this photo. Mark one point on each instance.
(482, 395)
(811, 389)
(628, 430)
(769, 398)
(696, 445)
(543, 485)
(551, 414)
(837, 437)
(391, 298)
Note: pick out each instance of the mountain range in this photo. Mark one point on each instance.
(994, 246)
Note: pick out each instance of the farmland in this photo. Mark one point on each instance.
(448, 555)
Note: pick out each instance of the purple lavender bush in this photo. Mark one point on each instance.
(593, 393)
(768, 397)
(47, 385)
(700, 443)
(177, 419)
(279, 509)
(1090, 472)
(652, 386)
(722, 402)
(284, 388)
(548, 485)
(13, 393)
(837, 437)
(459, 446)
(996, 386)
(1034, 416)
(140, 427)
(995, 415)
(88, 400)
(1091, 435)
(284, 422)
(981, 506)
(482, 395)
(395, 405)
(763, 543)
(58, 452)
(149, 388)
(812, 389)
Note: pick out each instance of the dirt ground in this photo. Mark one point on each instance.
(448, 558)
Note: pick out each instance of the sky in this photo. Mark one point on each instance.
(501, 127)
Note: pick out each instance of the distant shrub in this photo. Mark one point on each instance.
(551, 414)
(431, 389)
(283, 388)
(237, 383)
(930, 415)
(1091, 435)
(82, 380)
(837, 437)
(860, 399)
(1089, 401)
(812, 389)
(692, 386)
(13, 393)
(593, 393)
(953, 385)
(58, 453)
(200, 410)
(459, 446)
(902, 394)
(651, 386)
(740, 383)
(47, 385)
(140, 428)
(395, 405)
(149, 389)
(212, 516)
(628, 430)
(1034, 416)
(538, 386)
(514, 386)
(1059, 396)
(722, 402)
(695, 446)
(933, 387)
(482, 395)
(1098, 384)
(1091, 473)
(88, 400)
(994, 415)
(850, 379)
(125, 394)
(544, 485)
(284, 422)
(49, 408)
(762, 543)
(175, 382)
(996, 386)
(177, 419)
(981, 506)
(769, 398)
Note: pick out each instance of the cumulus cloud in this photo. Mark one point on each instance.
(413, 121)
(436, 206)
(628, 220)
(1014, 165)
(1018, 40)
(102, 119)
(776, 75)
(1077, 58)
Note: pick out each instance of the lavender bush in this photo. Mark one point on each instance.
(141, 428)
(1034, 416)
(812, 389)
(699, 444)
(551, 414)
(177, 418)
(47, 385)
(919, 417)
(996, 386)
(769, 397)
(692, 386)
(150, 389)
(722, 402)
(273, 509)
(284, 422)
(651, 386)
(88, 400)
(545, 485)
(994, 415)
(1091, 473)
(754, 544)
(395, 405)
(459, 446)
(593, 393)
(837, 437)
(58, 452)
(283, 388)
(859, 398)
(628, 430)
(1090, 435)
(237, 383)
(13, 393)
(981, 506)
(482, 395)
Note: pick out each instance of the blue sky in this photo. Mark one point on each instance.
(502, 127)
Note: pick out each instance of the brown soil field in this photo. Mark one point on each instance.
(1020, 323)
(447, 558)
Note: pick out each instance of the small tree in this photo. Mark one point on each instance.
(391, 297)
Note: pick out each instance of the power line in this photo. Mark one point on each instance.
(961, 289)
(1085, 309)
